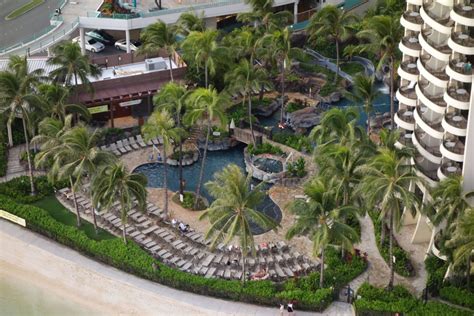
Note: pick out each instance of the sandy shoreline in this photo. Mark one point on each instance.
(62, 271)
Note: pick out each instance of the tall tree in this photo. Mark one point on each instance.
(386, 183)
(190, 22)
(18, 99)
(364, 92)
(232, 210)
(321, 219)
(337, 125)
(380, 37)
(79, 158)
(159, 36)
(245, 79)
(56, 99)
(161, 123)
(208, 105)
(114, 183)
(172, 98)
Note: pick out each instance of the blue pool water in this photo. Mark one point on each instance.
(216, 161)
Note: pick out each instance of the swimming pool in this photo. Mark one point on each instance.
(216, 161)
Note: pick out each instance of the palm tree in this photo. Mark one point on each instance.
(172, 98)
(79, 158)
(18, 99)
(321, 218)
(159, 36)
(72, 65)
(113, 183)
(208, 105)
(381, 37)
(246, 79)
(160, 123)
(386, 183)
(233, 209)
(333, 23)
(336, 125)
(56, 97)
(190, 22)
(365, 93)
(203, 49)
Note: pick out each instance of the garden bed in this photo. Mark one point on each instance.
(188, 201)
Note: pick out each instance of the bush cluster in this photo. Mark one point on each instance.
(132, 259)
(297, 168)
(298, 142)
(457, 296)
(3, 150)
(436, 269)
(19, 189)
(294, 106)
(264, 148)
(375, 301)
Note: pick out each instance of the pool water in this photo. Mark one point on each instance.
(268, 165)
(216, 161)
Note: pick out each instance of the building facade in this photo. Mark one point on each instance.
(436, 104)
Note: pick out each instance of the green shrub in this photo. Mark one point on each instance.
(19, 189)
(184, 154)
(436, 269)
(294, 106)
(188, 201)
(110, 135)
(457, 296)
(436, 308)
(222, 133)
(328, 88)
(297, 168)
(352, 68)
(264, 148)
(3, 150)
(298, 142)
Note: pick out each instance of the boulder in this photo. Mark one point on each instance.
(270, 109)
(305, 118)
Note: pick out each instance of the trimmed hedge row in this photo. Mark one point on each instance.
(375, 301)
(132, 259)
(3, 149)
(457, 296)
(19, 189)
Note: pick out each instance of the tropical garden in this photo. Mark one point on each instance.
(356, 175)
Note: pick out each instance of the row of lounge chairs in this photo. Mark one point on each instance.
(132, 143)
(189, 252)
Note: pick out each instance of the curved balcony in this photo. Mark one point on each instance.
(449, 168)
(405, 140)
(415, 2)
(408, 70)
(409, 45)
(404, 119)
(435, 76)
(441, 24)
(462, 43)
(463, 14)
(411, 20)
(435, 103)
(429, 175)
(439, 51)
(431, 153)
(458, 98)
(453, 149)
(459, 70)
(434, 247)
(406, 95)
(432, 128)
(455, 123)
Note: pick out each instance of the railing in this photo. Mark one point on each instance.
(434, 150)
(407, 92)
(443, 20)
(456, 119)
(405, 139)
(413, 17)
(451, 168)
(443, 48)
(438, 73)
(436, 99)
(454, 145)
(411, 41)
(406, 115)
(459, 94)
(436, 125)
(432, 174)
(460, 9)
(410, 67)
(463, 39)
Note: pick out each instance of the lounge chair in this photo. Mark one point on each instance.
(133, 143)
(126, 144)
(113, 148)
(141, 142)
(121, 147)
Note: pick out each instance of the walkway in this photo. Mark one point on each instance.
(66, 273)
(378, 272)
(14, 168)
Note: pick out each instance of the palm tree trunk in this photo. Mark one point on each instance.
(205, 75)
(321, 271)
(282, 91)
(392, 83)
(171, 68)
(180, 160)
(261, 92)
(390, 254)
(243, 267)
(165, 181)
(123, 233)
(10, 134)
(203, 163)
(112, 114)
(337, 61)
(30, 167)
(250, 119)
(368, 123)
(95, 221)
(75, 202)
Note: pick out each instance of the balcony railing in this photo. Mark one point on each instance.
(412, 42)
(408, 92)
(456, 119)
(413, 17)
(438, 73)
(443, 20)
(432, 174)
(462, 39)
(459, 94)
(434, 150)
(461, 66)
(410, 67)
(465, 10)
(454, 145)
(406, 115)
(443, 47)
(436, 125)
(436, 99)
(405, 139)
(450, 168)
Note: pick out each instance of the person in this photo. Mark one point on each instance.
(290, 308)
(174, 222)
(282, 309)
(182, 227)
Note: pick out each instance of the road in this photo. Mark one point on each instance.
(26, 25)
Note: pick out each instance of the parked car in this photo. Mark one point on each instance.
(101, 36)
(91, 44)
(122, 44)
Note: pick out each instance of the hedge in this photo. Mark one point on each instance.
(436, 270)
(264, 148)
(376, 301)
(457, 296)
(132, 259)
(19, 188)
(3, 154)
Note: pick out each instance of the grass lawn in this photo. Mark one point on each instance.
(61, 214)
(23, 9)
(352, 68)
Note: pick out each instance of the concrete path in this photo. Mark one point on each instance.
(14, 168)
(65, 272)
